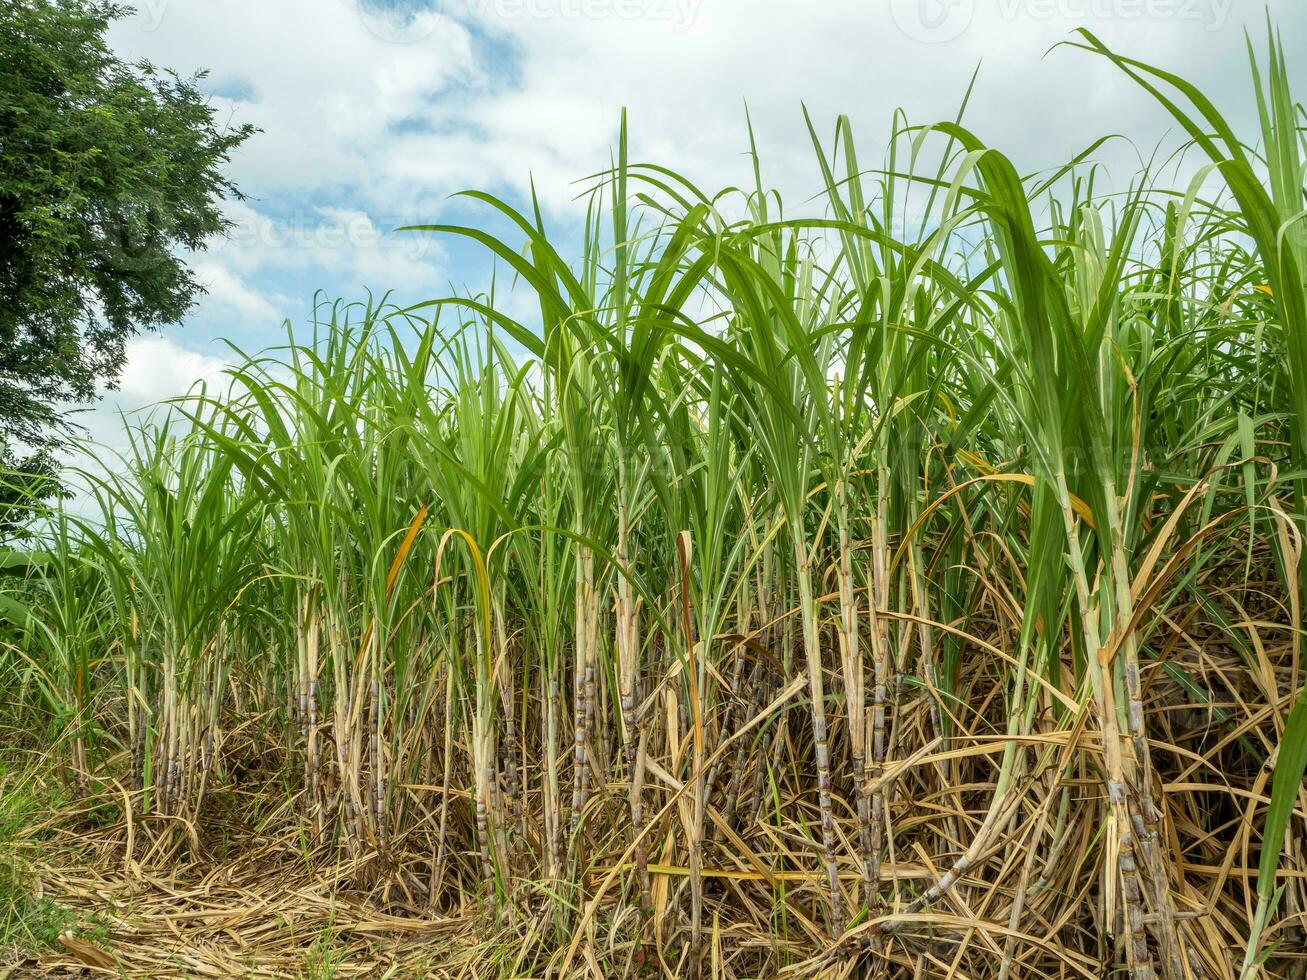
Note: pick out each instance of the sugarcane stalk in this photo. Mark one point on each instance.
(854, 693)
(442, 835)
(312, 762)
(512, 788)
(879, 633)
(816, 686)
(694, 653)
(1134, 939)
(583, 682)
(634, 738)
(553, 799)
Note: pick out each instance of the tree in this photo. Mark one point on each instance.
(109, 173)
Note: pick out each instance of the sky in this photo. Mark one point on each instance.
(374, 112)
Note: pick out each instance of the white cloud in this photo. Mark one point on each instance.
(322, 84)
(370, 119)
(391, 111)
(159, 368)
(226, 289)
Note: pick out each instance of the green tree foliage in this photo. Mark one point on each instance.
(109, 173)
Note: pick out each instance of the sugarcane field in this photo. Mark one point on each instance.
(616, 555)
